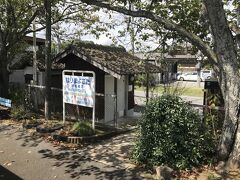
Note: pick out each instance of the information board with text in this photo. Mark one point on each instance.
(78, 90)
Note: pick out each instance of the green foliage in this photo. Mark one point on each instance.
(171, 133)
(21, 105)
(20, 112)
(211, 176)
(82, 129)
(213, 117)
(15, 24)
(141, 80)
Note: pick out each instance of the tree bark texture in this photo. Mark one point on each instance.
(47, 4)
(4, 74)
(228, 75)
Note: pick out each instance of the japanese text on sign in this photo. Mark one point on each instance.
(78, 90)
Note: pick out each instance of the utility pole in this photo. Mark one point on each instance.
(47, 5)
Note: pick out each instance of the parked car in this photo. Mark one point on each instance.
(192, 76)
(206, 74)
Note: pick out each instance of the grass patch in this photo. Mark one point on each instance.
(182, 91)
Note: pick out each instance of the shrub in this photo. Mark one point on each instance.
(141, 80)
(171, 133)
(19, 112)
(82, 129)
(21, 105)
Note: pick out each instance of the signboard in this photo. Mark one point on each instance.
(5, 102)
(78, 90)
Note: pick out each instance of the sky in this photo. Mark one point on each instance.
(105, 39)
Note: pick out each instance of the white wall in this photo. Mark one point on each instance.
(109, 103)
(41, 78)
(120, 96)
(17, 76)
(28, 70)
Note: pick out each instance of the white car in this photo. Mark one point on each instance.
(193, 76)
(206, 74)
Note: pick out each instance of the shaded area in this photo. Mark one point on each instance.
(30, 140)
(108, 159)
(4, 112)
(5, 127)
(5, 174)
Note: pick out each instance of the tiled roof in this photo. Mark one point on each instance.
(112, 60)
(26, 59)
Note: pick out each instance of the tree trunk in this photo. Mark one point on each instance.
(228, 77)
(4, 75)
(47, 4)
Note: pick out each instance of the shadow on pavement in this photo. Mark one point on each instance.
(5, 128)
(26, 138)
(30, 140)
(108, 159)
(5, 174)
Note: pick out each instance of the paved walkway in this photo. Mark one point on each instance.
(26, 156)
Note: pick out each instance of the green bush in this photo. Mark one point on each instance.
(21, 106)
(141, 80)
(82, 129)
(171, 133)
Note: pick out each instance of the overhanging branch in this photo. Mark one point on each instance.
(167, 24)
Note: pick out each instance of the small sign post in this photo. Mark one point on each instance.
(79, 89)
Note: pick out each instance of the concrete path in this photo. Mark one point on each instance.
(26, 156)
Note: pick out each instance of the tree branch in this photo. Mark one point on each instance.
(24, 29)
(195, 40)
(62, 17)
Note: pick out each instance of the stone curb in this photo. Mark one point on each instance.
(90, 139)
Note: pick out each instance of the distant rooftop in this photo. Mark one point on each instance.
(29, 39)
(167, 57)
